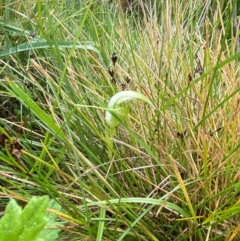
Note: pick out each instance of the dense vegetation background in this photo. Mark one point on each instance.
(173, 170)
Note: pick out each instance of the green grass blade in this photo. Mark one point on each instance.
(45, 45)
(38, 112)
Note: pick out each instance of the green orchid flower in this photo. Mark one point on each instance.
(115, 113)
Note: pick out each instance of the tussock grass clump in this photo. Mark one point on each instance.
(173, 172)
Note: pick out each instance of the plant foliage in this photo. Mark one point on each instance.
(30, 223)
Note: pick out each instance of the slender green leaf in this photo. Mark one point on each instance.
(45, 44)
(33, 106)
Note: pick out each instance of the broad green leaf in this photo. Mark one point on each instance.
(51, 233)
(33, 218)
(10, 227)
(24, 225)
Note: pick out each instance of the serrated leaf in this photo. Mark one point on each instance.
(24, 225)
(9, 220)
(51, 234)
(34, 218)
